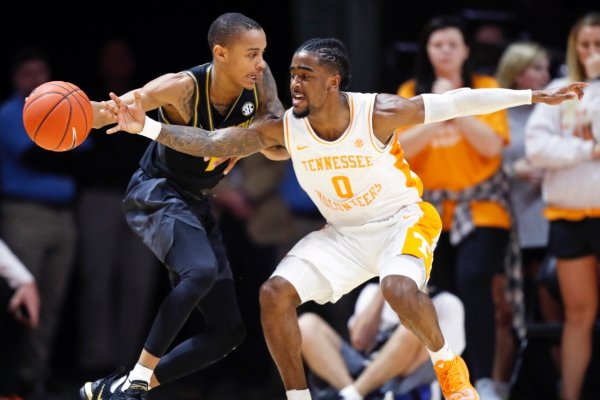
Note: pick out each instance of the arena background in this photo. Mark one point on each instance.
(169, 36)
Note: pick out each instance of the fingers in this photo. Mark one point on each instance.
(116, 99)
(33, 315)
(232, 162)
(137, 96)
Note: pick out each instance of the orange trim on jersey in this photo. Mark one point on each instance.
(412, 180)
(427, 229)
(554, 213)
(288, 143)
(372, 136)
(344, 135)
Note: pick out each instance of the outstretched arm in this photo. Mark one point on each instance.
(174, 90)
(393, 111)
(228, 142)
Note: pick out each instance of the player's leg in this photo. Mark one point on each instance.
(224, 332)
(192, 259)
(402, 278)
(278, 301)
(318, 268)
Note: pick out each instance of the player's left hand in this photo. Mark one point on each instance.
(219, 161)
(572, 91)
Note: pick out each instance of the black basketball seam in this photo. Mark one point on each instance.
(30, 102)
(83, 110)
(73, 89)
(45, 116)
(67, 127)
(45, 93)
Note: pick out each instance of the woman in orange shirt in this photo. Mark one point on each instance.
(459, 162)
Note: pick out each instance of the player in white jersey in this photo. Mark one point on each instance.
(348, 161)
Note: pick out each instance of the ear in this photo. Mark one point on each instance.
(467, 52)
(219, 53)
(334, 82)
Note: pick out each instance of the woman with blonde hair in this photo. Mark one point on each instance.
(565, 142)
(524, 65)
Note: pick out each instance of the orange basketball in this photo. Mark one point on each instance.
(58, 116)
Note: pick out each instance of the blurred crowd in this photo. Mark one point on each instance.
(517, 191)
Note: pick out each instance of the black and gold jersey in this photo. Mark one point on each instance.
(188, 172)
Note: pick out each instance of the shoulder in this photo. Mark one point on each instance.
(484, 81)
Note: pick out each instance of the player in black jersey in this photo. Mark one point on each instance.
(167, 207)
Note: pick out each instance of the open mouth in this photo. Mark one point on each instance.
(297, 99)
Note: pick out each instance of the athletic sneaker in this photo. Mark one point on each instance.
(487, 389)
(137, 390)
(453, 377)
(100, 389)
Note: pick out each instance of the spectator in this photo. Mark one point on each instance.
(459, 162)
(37, 219)
(383, 356)
(565, 142)
(19, 310)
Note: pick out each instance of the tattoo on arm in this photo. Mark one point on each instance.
(228, 142)
(269, 102)
(186, 100)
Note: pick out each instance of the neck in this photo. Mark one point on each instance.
(222, 90)
(454, 77)
(330, 121)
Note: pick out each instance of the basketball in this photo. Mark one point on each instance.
(58, 116)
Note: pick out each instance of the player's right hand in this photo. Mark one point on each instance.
(554, 96)
(130, 117)
(102, 115)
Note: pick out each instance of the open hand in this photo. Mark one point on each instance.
(130, 117)
(572, 91)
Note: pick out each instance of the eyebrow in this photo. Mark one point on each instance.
(301, 67)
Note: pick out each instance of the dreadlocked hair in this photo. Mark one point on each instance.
(331, 52)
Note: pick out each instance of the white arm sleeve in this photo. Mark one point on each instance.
(466, 101)
(12, 269)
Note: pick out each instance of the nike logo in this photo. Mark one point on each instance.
(301, 147)
(101, 390)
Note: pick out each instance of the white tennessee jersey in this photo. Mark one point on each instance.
(355, 179)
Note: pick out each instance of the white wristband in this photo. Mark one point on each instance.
(151, 128)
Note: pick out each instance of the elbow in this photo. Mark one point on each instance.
(493, 147)
(493, 151)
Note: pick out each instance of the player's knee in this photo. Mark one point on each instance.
(398, 286)
(277, 295)
(200, 277)
(401, 293)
